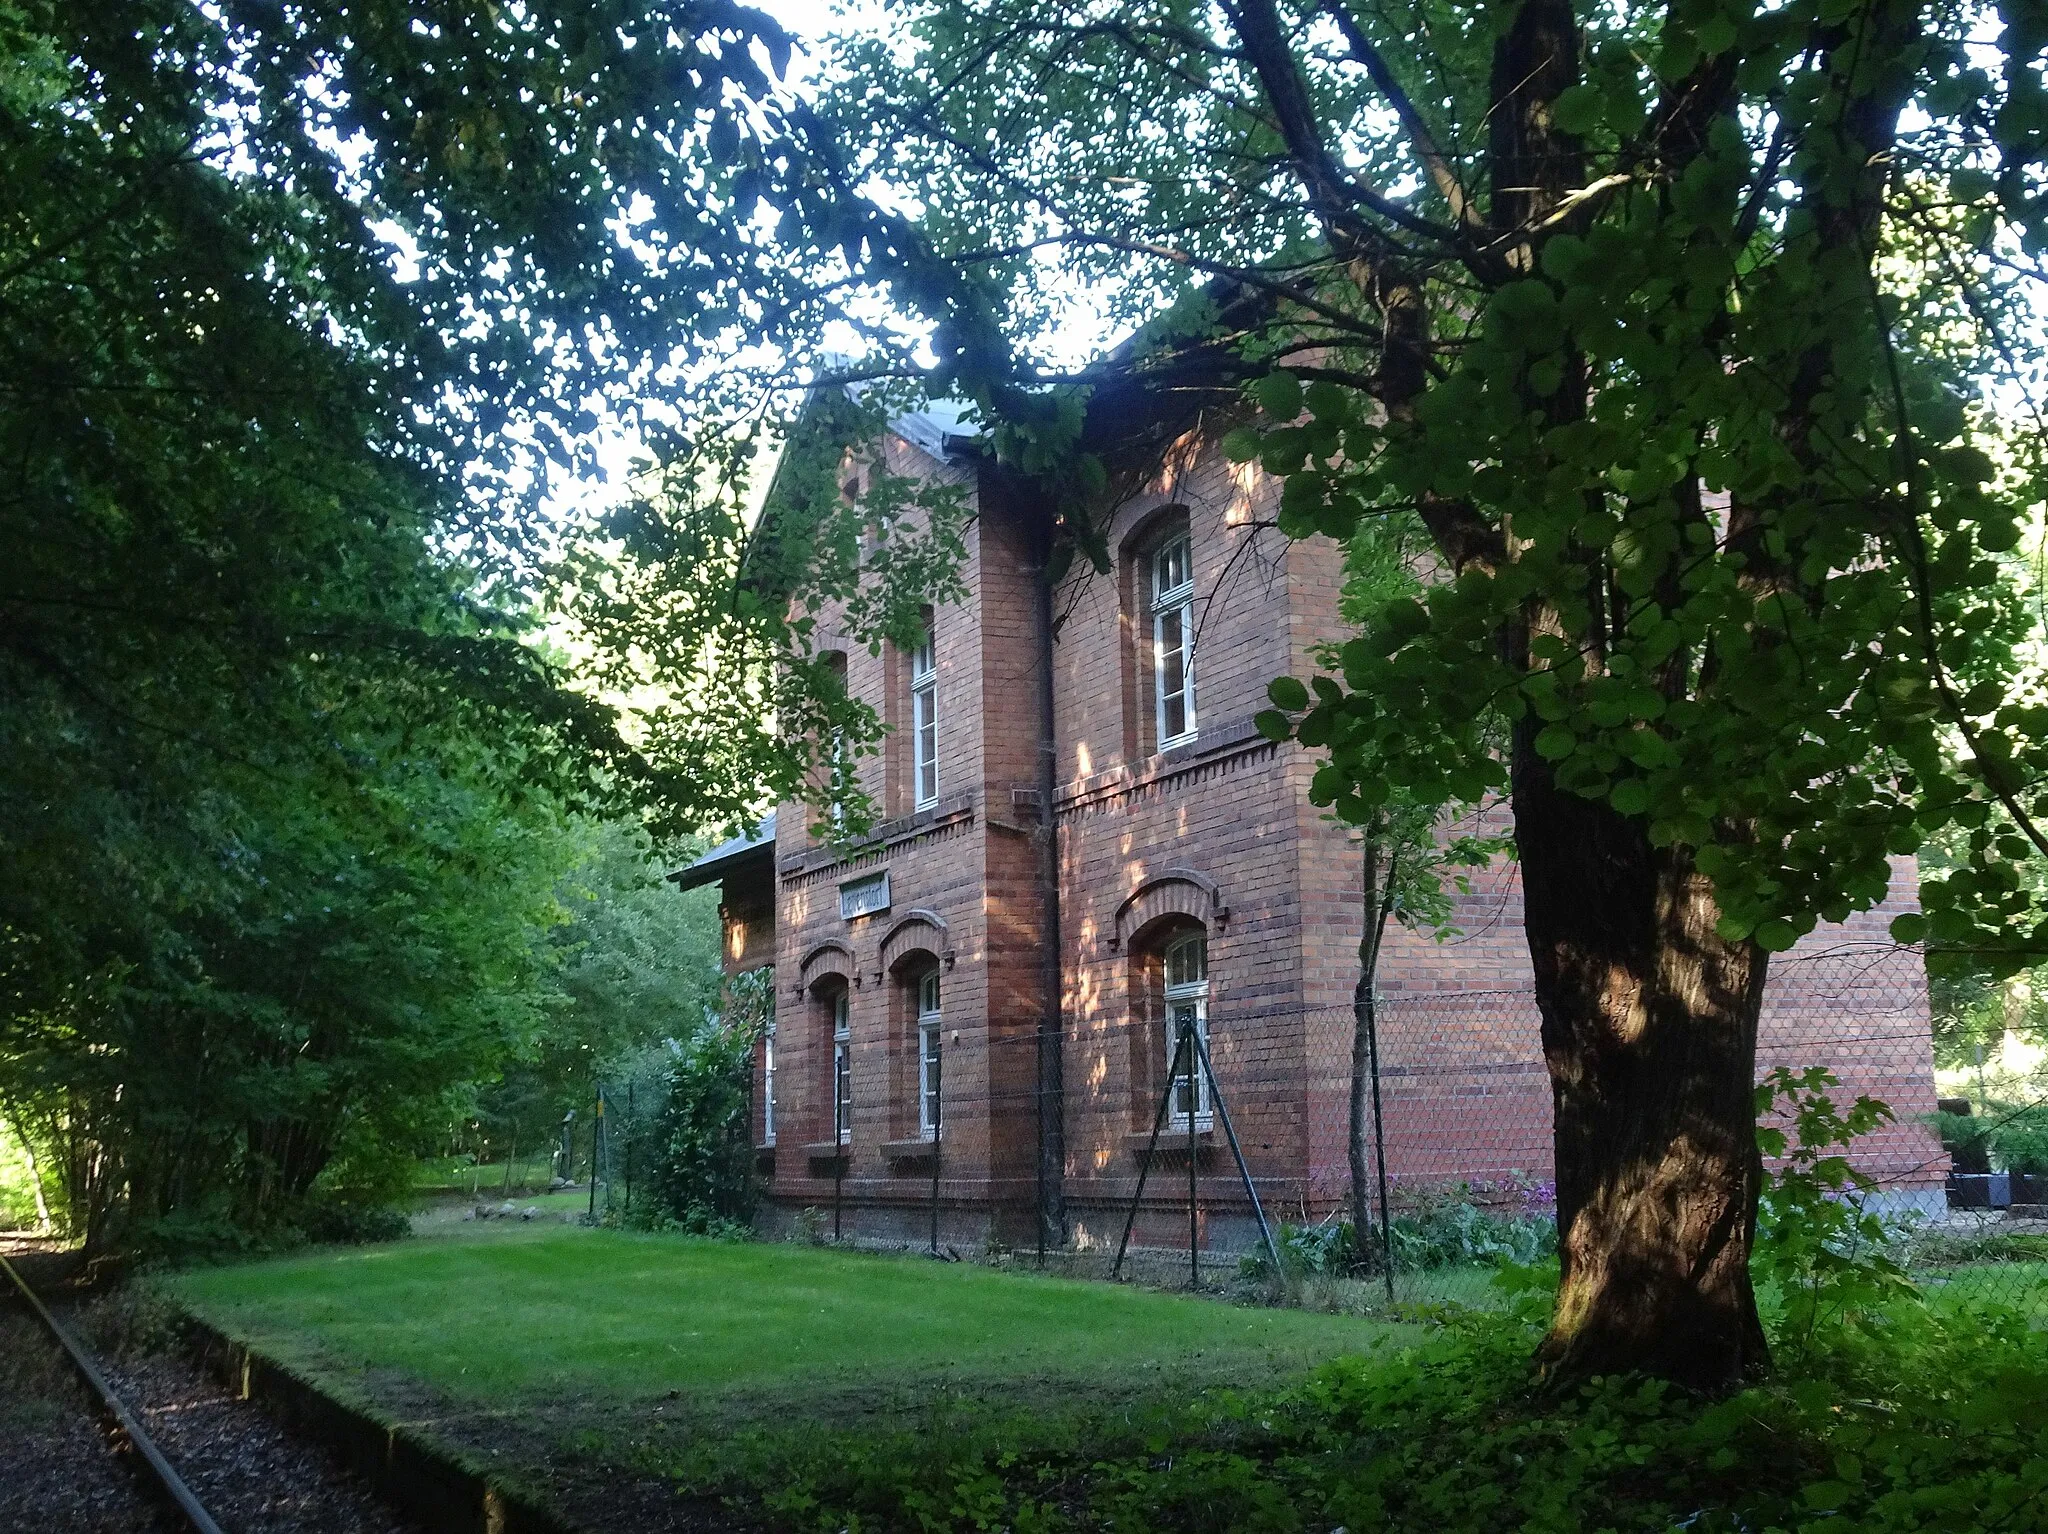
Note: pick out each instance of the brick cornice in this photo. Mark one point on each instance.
(949, 816)
(1236, 743)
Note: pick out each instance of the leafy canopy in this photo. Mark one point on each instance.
(1708, 352)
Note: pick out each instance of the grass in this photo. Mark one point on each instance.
(445, 1176)
(515, 1313)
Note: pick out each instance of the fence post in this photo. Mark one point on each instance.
(596, 1144)
(1379, 1141)
(938, 1129)
(1194, 1205)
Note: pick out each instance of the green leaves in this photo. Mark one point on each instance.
(1288, 693)
(1278, 394)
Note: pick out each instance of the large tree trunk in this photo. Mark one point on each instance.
(1649, 1032)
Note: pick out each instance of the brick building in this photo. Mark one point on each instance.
(917, 1057)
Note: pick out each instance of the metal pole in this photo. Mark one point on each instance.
(632, 1124)
(1230, 1134)
(1194, 1208)
(838, 1183)
(596, 1136)
(937, 1130)
(1145, 1161)
(1379, 1143)
(1051, 1215)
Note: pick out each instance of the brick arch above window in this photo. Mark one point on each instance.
(1161, 522)
(919, 931)
(1181, 892)
(830, 958)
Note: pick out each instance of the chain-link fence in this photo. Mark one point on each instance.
(1188, 1172)
(621, 1144)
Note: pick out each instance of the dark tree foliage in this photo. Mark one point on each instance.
(283, 789)
(702, 1147)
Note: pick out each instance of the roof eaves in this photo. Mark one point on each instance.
(729, 856)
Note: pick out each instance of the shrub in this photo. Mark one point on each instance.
(1967, 1139)
(1455, 1231)
(338, 1222)
(701, 1145)
(2022, 1146)
(1328, 1247)
(1822, 1259)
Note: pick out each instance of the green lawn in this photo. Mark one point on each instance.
(533, 1312)
(446, 1176)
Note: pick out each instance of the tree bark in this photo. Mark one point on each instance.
(1373, 911)
(44, 1223)
(1649, 1033)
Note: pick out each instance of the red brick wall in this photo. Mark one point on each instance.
(1273, 882)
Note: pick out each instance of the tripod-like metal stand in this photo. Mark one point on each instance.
(1189, 1047)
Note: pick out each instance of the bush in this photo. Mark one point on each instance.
(334, 1222)
(1967, 1139)
(1454, 1231)
(1329, 1247)
(701, 1146)
(2022, 1146)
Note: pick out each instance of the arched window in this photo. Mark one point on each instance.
(842, 1068)
(924, 720)
(930, 1042)
(1172, 606)
(1186, 971)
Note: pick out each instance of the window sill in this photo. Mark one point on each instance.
(920, 1149)
(829, 1150)
(1171, 1140)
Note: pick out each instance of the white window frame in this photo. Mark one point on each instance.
(842, 1068)
(1173, 611)
(931, 1103)
(924, 722)
(1190, 991)
(768, 1085)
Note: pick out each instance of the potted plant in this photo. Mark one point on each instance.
(1967, 1139)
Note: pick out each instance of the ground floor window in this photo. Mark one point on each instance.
(842, 1071)
(929, 1045)
(768, 1085)
(1187, 1009)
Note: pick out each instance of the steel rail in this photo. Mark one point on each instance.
(173, 1485)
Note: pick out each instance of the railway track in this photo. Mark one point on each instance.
(165, 1480)
(188, 1451)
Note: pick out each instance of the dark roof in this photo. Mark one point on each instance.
(758, 845)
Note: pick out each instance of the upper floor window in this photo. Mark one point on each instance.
(1186, 963)
(842, 1070)
(929, 1044)
(1173, 611)
(924, 721)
